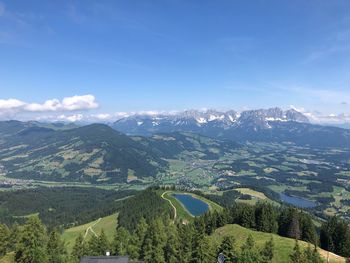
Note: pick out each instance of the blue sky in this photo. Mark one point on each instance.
(131, 56)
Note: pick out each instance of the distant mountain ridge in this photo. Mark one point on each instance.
(267, 125)
(194, 120)
(95, 153)
(92, 153)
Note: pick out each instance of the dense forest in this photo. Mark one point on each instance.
(84, 154)
(156, 241)
(60, 207)
(147, 205)
(145, 231)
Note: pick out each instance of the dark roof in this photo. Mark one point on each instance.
(109, 259)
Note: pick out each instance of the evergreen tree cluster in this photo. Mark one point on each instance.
(264, 217)
(309, 255)
(152, 236)
(32, 243)
(60, 206)
(147, 204)
(335, 236)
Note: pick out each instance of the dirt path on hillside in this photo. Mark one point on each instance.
(90, 228)
(175, 212)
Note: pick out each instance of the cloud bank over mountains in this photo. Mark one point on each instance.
(10, 107)
(78, 109)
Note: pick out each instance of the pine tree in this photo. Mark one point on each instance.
(308, 230)
(311, 256)
(203, 253)
(249, 256)
(296, 256)
(133, 248)
(4, 239)
(186, 234)
(155, 241)
(137, 239)
(266, 218)
(294, 227)
(249, 253)
(335, 236)
(31, 246)
(268, 251)
(93, 246)
(141, 230)
(249, 244)
(147, 247)
(210, 219)
(79, 249)
(171, 250)
(159, 240)
(14, 236)
(247, 217)
(227, 248)
(56, 250)
(103, 244)
(121, 241)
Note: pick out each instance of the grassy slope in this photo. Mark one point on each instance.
(283, 245)
(9, 258)
(108, 224)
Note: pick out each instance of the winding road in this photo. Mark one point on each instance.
(175, 212)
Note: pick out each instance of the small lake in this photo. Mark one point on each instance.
(195, 206)
(297, 201)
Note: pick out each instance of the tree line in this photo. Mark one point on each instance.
(157, 241)
(153, 237)
(60, 207)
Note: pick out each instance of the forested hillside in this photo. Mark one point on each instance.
(60, 207)
(155, 238)
(176, 145)
(94, 153)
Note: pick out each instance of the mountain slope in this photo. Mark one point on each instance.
(9, 128)
(94, 153)
(298, 133)
(172, 145)
(283, 245)
(270, 125)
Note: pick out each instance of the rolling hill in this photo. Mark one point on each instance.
(172, 145)
(283, 246)
(94, 153)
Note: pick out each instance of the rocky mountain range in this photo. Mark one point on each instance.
(268, 125)
(194, 120)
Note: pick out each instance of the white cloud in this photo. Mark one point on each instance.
(102, 116)
(79, 102)
(74, 103)
(330, 118)
(71, 118)
(321, 118)
(49, 105)
(10, 104)
(300, 109)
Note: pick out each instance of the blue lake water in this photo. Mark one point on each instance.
(195, 206)
(297, 201)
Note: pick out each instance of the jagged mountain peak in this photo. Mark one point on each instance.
(210, 120)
